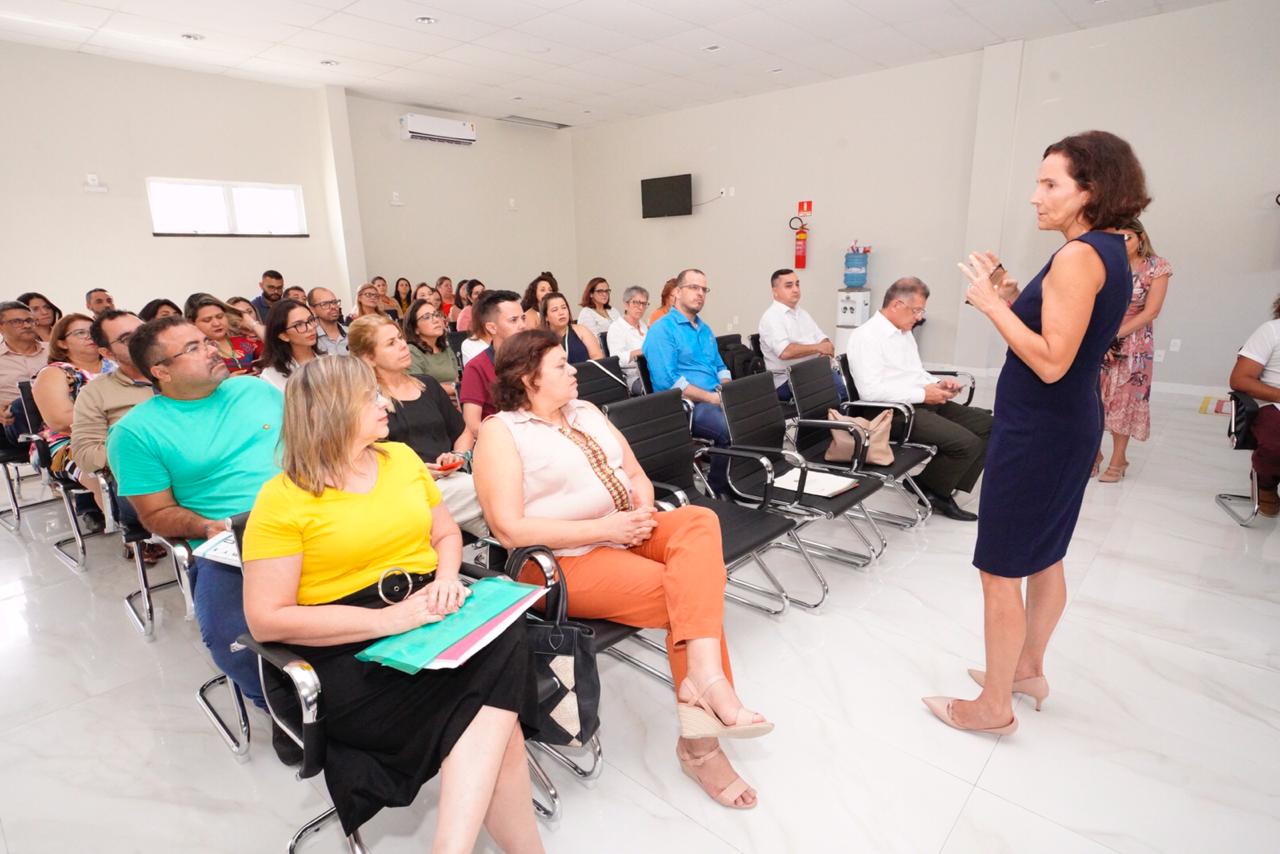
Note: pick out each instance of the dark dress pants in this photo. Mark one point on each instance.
(960, 434)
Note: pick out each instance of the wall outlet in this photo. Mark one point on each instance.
(395, 200)
(1175, 344)
(511, 204)
(1159, 355)
(734, 322)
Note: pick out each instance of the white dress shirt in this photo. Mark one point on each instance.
(1263, 347)
(885, 363)
(623, 338)
(781, 326)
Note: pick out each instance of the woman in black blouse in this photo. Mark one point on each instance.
(422, 416)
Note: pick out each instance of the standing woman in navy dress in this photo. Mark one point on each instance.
(1048, 412)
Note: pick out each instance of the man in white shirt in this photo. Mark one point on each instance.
(885, 364)
(789, 334)
(1257, 374)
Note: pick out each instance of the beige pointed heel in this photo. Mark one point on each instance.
(727, 796)
(941, 708)
(697, 720)
(1037, 687)
(1113, 474)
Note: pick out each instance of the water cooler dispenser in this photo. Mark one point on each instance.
(853, 308)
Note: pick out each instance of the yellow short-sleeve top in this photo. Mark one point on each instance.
(346, 539)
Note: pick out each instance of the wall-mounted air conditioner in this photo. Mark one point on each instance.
(436, 129)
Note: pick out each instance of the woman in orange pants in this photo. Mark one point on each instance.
(551, 470)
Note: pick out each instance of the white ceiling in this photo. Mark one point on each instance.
(575, 62)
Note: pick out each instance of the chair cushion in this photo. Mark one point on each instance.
(743, 530)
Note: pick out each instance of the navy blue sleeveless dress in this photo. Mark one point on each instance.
(1045, 435)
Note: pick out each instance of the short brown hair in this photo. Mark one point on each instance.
(520, 359)
(1104, 165)
(58, 353)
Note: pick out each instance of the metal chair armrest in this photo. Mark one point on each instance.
(759, 455)
(306, 685)
(674, 492)
(973, 382)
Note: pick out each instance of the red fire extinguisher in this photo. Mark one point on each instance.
(802, 238)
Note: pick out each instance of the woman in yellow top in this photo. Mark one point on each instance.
(350, 543)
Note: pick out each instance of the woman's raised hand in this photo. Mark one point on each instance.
(981, 273)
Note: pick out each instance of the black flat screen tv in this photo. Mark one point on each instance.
(669, 196)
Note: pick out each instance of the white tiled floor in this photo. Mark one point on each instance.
(1162, 734)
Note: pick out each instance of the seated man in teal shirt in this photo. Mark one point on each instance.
(192, 456)
(682, 353)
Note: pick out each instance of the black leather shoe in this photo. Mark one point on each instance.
(287, 750)
(948, 507)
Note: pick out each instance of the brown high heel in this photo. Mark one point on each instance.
(1035, 687)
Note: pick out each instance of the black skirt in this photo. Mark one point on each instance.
(388, 732)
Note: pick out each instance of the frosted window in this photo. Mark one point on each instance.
(192, 207)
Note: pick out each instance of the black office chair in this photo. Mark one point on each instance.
(68, 488)
(1244, 409)
(656, 426)
(814, 394)
(758, 424)
(642, 365)
(737, 357)
(455, 343)
(600, 381)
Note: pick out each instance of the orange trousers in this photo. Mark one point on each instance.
(674, 580)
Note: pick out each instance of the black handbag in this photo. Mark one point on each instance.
(564, 664)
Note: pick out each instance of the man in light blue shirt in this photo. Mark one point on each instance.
(682, 353)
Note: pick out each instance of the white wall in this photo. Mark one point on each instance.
(889, 158)
(1195, 94)
(884, 157)
(67, 114)
(455, 218)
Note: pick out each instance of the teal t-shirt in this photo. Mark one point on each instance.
(214, 453)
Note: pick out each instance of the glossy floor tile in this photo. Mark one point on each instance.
(1162, 733)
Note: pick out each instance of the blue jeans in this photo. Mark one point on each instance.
(786, 396)
(709, 423)
(218, 591)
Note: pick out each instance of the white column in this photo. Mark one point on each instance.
(340, 190)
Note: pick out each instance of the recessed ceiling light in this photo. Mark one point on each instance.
(329, 62)
(424, 19)
(586, 112)
(517, 97)
(711, 48)
(1099, 2)
(192, 37)
(775, 70)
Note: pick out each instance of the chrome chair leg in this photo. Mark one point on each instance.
(645, 667)
(74, 562)
(13, 487)
(355, 845)
(144, 616)
(593, 746)
(813, 570)
(542, 783)
(775, 593)
(1229, 501)
(237, 745)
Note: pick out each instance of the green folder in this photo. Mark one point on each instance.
(413, 650)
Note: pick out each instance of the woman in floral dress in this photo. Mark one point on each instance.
(1126, 371)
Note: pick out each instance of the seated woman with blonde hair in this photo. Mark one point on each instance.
(551, 470)
(350, 543)
(422, 415)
